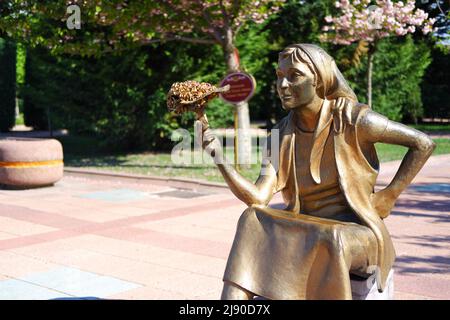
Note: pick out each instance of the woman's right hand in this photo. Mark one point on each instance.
(210, 143)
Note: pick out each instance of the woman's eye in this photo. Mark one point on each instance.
(296, 75)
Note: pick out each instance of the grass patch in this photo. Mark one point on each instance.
(87, 152)
(20, 120)
(432, 128)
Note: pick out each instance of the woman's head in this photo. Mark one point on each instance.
(305, 72)
(296, 79)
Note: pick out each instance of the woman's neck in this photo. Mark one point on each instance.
(307, 116)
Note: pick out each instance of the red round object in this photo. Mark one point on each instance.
(242, 87)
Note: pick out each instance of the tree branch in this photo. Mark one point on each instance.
(226, 19)
(179, 38)
(209, 20)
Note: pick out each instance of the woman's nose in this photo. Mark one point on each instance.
(283, 83)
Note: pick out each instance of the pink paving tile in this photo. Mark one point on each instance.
(148, 293)
(3, 277)
(78, 226)
(138, 252)
(125, 269)
(15, 265)
(190, 230)
(209, 296)
(129, 211)
(94, 215)
(198, 264)
(162, 203)
(25, 241)
(54, 252)
(22, 228)
(164, 253)
(193, 285)
(49, 219)
(153, 275)
(422, 285)
(165, 214)
(169, 241)
(407, 228)
(434, 218)
(220, 218)
(5, 235)
(127, 249)
(54, 207)
(399, 295)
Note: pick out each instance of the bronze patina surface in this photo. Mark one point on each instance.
(333, 222)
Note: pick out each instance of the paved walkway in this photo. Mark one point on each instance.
(93, 238)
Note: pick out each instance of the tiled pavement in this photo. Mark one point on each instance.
(94, 239)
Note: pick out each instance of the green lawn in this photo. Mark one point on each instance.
(432, 127)
(86, 152)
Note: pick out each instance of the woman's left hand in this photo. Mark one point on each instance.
(383, 202)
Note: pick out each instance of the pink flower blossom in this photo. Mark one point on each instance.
(362, 21)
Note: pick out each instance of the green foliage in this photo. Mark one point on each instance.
(297, 22)
(120, 98)
(399, 66)
(7, 84)
(436, 86)
(35, 93)
(20, 64)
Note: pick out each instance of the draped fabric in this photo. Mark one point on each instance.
(279, 255)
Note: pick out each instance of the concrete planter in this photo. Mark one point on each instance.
(30, 162)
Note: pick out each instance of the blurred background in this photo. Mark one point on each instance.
(105, 82)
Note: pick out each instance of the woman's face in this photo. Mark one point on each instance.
(295, 84)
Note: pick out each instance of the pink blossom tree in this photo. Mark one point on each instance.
(362, 21)
(110, 25)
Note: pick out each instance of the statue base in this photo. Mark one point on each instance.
(366, 289)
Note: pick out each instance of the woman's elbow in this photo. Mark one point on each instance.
(258, 202)
(426, 145)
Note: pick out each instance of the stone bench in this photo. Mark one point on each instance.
(30, 162)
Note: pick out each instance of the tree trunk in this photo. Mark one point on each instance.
(244, 140)
(370, 55)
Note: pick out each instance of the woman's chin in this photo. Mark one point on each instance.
(287, 106)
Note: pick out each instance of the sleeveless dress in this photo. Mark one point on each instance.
(309, 255)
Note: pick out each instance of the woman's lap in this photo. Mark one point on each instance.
(281, 255)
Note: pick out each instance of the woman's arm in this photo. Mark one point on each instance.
(258, 193)
(374, 128)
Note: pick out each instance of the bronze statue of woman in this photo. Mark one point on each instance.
(333, 223)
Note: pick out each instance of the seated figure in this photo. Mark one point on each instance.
(333, 223)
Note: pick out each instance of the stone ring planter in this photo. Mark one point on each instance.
(30, 162)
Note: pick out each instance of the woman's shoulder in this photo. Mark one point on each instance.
(368, 121)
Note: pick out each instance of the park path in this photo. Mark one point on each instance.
(114, 238)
